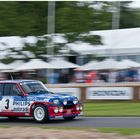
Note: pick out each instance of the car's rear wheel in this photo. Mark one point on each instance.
(40, 113)
(69, 118)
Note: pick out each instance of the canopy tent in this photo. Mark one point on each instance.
(60, 63)
(128, 64)
(106, 64)
(16, 64)
(102, 65)
(88, 66)
(115, 42)
(110, 64)
(34, 64)
(4, 67)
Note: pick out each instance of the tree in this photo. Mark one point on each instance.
(73, 19)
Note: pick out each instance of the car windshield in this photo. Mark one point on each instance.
(34, 87)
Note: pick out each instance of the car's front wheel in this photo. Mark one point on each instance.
(40, 113)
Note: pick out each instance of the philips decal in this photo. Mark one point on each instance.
(21, 103)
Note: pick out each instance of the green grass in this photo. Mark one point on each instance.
(123, 131)
(67, 128)
(112, 109)
(5, 126)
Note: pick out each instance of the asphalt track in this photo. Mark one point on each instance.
(96, 122)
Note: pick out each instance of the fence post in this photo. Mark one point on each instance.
(136, 93)
(83, 93)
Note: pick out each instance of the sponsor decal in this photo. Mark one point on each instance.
(21, 106)
(21, 109)
(21, 103)
(31, 98)
(109, 93)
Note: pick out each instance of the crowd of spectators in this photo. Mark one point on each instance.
(79, 76)
(129, 75)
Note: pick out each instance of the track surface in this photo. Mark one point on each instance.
(115, 122)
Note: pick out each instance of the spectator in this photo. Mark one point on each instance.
(79, 76)
(53, 77)
(131, 74)
(90, 77)
(112, 76)
(64, 77)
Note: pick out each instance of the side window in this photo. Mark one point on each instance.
(1, 89)
(15, 91)
(11, 90)
(7, 88)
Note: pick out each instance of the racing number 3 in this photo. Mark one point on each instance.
(7, 103)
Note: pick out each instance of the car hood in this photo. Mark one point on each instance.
(50, 96)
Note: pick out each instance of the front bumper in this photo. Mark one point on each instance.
(66, 112)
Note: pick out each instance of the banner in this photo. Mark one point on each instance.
(109, 93)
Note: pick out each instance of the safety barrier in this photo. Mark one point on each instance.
(129, 91)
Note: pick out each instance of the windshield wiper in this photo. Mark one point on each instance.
(38, 92)
(51, 92)
(32, 92)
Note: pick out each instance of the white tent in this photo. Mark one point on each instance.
(110, 64)
(4, 67)
(16, 64)
(34, 64)
(88, 66)
(128, 64)
(60, 63)
(103, 65)
(118, 42)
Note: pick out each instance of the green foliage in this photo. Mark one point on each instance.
(23, 18)
(93, 39)
(37, 49)
(123, 131)
(7, 60)
(129, 18)
(73, 18)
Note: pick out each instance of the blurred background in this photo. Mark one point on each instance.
(70, 41)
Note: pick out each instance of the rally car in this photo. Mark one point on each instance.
(31, 98)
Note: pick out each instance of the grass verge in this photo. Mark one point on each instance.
(122, 131)
(112, 109)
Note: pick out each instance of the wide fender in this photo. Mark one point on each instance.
(46, 104)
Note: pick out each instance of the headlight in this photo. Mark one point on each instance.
(65, 101)
(61, 109)
(56, 101)
(75, 101)
(77, 107)
(56, 110)
(81, 107)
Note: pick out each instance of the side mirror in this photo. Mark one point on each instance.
(51, 92)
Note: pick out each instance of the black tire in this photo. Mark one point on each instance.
(43, 116)
(69, 118)
(12, 117)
